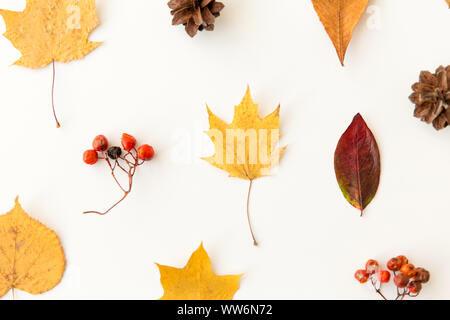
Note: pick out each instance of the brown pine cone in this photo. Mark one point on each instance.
(432, 97)
(195, 14)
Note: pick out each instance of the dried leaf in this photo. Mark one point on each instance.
(245, 148)
(197, 280)
(50, 30)
(31, 256)
(340, 17)
(357, 164)
(448, 1)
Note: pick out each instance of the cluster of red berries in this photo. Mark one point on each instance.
(407, 278)
(127, 160)
(100, 145)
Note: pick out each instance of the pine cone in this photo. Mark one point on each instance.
(432, 97)
(195, 14)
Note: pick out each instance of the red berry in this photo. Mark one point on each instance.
(372, 266)
(114, 153)
(362, 276)
(90, 156)
(408, 270)
(415, 287)
(145, 152)
(422, 275)
(401, 280)
(403, 260)
(384, 276)
(128, 141)
(394, 264)
(100, 143)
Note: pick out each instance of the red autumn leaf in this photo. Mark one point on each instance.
(357, 164)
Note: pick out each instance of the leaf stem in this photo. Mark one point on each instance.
(53, 94)
(248, 213)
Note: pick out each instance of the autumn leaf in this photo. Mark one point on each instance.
(31, 256)
(448, 1)
(245, 148)
(340, 17)
(50, 30)
(357, 164)
(197, 280)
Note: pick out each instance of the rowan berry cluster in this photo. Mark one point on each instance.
(126, 160)
(407, 278)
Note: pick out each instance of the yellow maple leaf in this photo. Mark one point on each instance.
(51, 30)
(197, 280)
(340, 17)
(31, 256)
(245, 148)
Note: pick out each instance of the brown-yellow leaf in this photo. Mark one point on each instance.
(448, 1)
(31, 256)
(340, 17)
(50, 30)
(245, 148)
(197, 280)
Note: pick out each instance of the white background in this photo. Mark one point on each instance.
(151, 80)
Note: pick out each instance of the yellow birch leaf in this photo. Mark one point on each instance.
(50, 30)
(31, 256)
(197, 280)
(340, 17)
(245, 148)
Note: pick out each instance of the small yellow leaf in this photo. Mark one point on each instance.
(31, 256)
(50, 30)
(197, 280)
(245, 148)
(448, 1)
(340, 17)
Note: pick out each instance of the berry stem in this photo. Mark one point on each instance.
(381, 294)
(378, 290)
(53, 94)
(401, 296)
(130, 172)
(114, 176)
(110, 208)
(248, 213)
